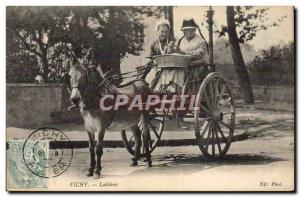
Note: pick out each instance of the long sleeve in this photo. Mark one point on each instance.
(199, 52)
(195, 47)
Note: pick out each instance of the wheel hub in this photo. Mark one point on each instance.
(217, 115)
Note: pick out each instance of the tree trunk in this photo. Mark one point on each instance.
(45, 69)
(237, 57)
(45, 65)
(115, 53)
(169, 16)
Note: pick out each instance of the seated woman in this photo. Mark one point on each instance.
(195, 45)
(171, 80)
(161, 46)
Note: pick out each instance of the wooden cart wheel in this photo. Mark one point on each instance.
(156, 126)
(214, 132)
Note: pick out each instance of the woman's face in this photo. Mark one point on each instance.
(189, 33)
(163, 32)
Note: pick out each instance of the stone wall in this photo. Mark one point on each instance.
(38, 105)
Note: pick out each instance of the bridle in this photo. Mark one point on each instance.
(106, 82)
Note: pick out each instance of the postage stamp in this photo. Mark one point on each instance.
(18, 174)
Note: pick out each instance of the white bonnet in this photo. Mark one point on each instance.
(161, 22)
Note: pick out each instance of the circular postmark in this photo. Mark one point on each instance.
(44, 153)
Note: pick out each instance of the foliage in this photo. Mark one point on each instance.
(274, 66)
(21, 66)
(51, 34)
(249, 20)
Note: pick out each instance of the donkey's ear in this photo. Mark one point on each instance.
(94, 76)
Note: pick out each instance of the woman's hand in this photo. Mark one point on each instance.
(170, 48)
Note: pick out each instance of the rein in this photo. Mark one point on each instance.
(135, 73)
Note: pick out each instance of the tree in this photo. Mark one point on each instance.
(237, 57)
(33, 27)
(51, 33)
(274, 66)
(21, 66)
(168, 12)
(248, 21)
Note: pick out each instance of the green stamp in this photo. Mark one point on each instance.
(18, 174)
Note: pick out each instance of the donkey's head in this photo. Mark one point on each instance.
(84, 84)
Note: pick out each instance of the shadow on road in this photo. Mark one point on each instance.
(191, 163)
(267, 125)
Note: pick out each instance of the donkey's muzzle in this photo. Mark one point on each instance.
(75, 101)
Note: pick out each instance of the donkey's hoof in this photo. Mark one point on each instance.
(134, 164)
(97, 174)
(150, 164)
(90, 172)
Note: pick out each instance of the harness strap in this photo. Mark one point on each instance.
(122, 75)
(179, 41)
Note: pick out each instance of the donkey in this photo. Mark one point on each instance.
(87, 85)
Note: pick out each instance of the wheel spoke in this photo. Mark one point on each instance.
(221, 132)
(207, 138)
(130, 138)
(205, 109)
(226, 125)
(218, 141)
(207, 100)
(154, 130)
(216, 87)
(213, 139)
(211, 92)
(205, 129)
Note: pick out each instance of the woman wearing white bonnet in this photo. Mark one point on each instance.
(162, 45)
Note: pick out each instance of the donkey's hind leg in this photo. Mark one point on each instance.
(99, 135)
(92, 154)
(146, 137)
(137, 147)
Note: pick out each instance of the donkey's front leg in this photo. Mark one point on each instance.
(99, 149)
(92, 154)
